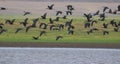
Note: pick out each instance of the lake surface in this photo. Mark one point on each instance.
(59, 56)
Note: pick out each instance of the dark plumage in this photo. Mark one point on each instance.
(43, 25)
(58, 37)
(18, 29)
(50, 7)
(118, 7)
(90, 31)
(51, 21)
(116, 29)
(24, 22)
(44, 16)
(70, 7)
(112, 22)
(3, 8)
(92, 23)
(2, 30)
(87, 25)
(42, 32)
(51, 27)
(110, 11)
(61, 26)
(69, 12)
(26, 13)
(97, 13)
(11, 22)
(105, 8)
(70, 27)
(71, 32)
(64, 17)
(1, 27)
(58, 13)
(69, 23)
(88, 16)
(35, 37)
(102, 17)
(115, 12)
(105, 32)
(27, 28)
(56, 19)
(35, 22)
(105, 25)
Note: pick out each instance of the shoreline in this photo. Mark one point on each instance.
(63, 45)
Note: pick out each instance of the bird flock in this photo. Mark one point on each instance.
(52, 26)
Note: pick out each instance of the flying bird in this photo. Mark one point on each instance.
(50, 7)
(44, 16)
(35, 37)
(105, 8)
(105, 32)
(58, 37)
(18, 29)
(42, 32)
(26, 13)
(58, 13)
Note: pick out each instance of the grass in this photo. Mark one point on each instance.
(80, 35)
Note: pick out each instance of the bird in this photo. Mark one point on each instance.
(56, 19)
(110, 11)
(42, 32)
(51, 27)
(3, 8)
(35, 22)
(90, 31)
(118, 7)
(116, 29)
(87, 25)
(51, 21)
(2, 30)
(102, 17)
(112, 22)
(18, 29)
(105, 25)
(115, 12)
(50, 7)
(64, 17)
(105, 32)
(61, 26)
(70, 27)
(58, 37)
(69, 12)
(35, 37)
(71, 32)
(24, 22)
(58, 13)
(44, 16)
(105, 8)
(88, 16)
(1, 27)
(94, 21)
(11, 22)
(70, 7)
(27, 28)
(68, 23)
(26, 13)
(97, 13)
(43, 25)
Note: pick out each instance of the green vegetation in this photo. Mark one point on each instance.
(80, 35)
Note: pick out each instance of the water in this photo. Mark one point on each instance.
(59, 56)
(70, 0)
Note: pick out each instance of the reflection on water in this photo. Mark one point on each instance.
(59, 56)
